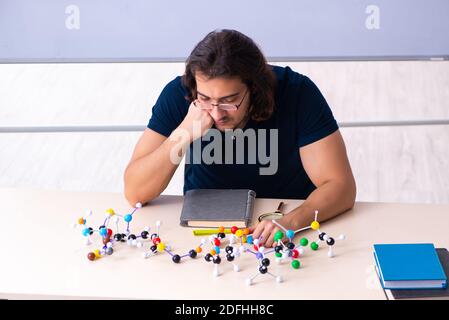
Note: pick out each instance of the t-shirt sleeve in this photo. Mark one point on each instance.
(315, 118)
(170, 108)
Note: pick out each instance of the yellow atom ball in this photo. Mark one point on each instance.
(97, 253)
(315, 225)
(239, 233)
(212, 252)
(160, 246)
(81, 221)
(244, 239)
(111, 212)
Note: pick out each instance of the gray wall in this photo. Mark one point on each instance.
(406, 163)
(394, 114)
(161, 30)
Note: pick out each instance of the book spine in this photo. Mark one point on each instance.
(249, 206)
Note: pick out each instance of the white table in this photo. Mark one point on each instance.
(43, 257)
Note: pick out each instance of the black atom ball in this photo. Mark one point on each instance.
(321, 236)
(330, 241)
(176, 258)
(144, 234)
(263, 269)
(208, 257)
(291, 245)
(217, 260)
(266, 262)
(229, 257)
(192, 253)
(278, 248)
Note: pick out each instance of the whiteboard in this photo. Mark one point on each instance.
(167, 30)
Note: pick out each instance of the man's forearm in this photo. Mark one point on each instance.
(330, 199)
(147, 177)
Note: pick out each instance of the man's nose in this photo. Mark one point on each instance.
(217, 113)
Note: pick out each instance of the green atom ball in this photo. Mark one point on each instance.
(295, 264)
(304, 242)
(314, 246)
(278, 235)
(278, 254)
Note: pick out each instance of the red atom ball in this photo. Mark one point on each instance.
(91, 256)
(295, 253)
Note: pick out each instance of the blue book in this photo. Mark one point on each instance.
(409, 266)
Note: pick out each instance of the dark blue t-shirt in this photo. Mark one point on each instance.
(301, 116)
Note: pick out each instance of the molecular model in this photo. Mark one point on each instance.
(232, 252)
(292, 251)
(322, 236)
(236, 245)
(263, 261)
(109, 238)
(289, 250)
(235, 249)
(159, 246)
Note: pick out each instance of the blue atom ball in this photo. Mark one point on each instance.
(128, 218)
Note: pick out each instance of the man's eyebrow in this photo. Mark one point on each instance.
(229, 96)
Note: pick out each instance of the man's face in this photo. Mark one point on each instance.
(226, 91)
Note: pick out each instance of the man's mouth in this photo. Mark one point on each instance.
(221, 121)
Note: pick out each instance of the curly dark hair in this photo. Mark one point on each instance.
(229, 53)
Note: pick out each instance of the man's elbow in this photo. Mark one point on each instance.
(133, 197)
(130, 191)
(351, 193)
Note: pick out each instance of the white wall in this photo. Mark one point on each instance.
(398, 164)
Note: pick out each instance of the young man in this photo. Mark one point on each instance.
(228, 87)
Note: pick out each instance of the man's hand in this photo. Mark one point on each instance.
(268, 229)
(196, 122)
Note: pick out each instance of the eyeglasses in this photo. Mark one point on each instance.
(223, 106)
